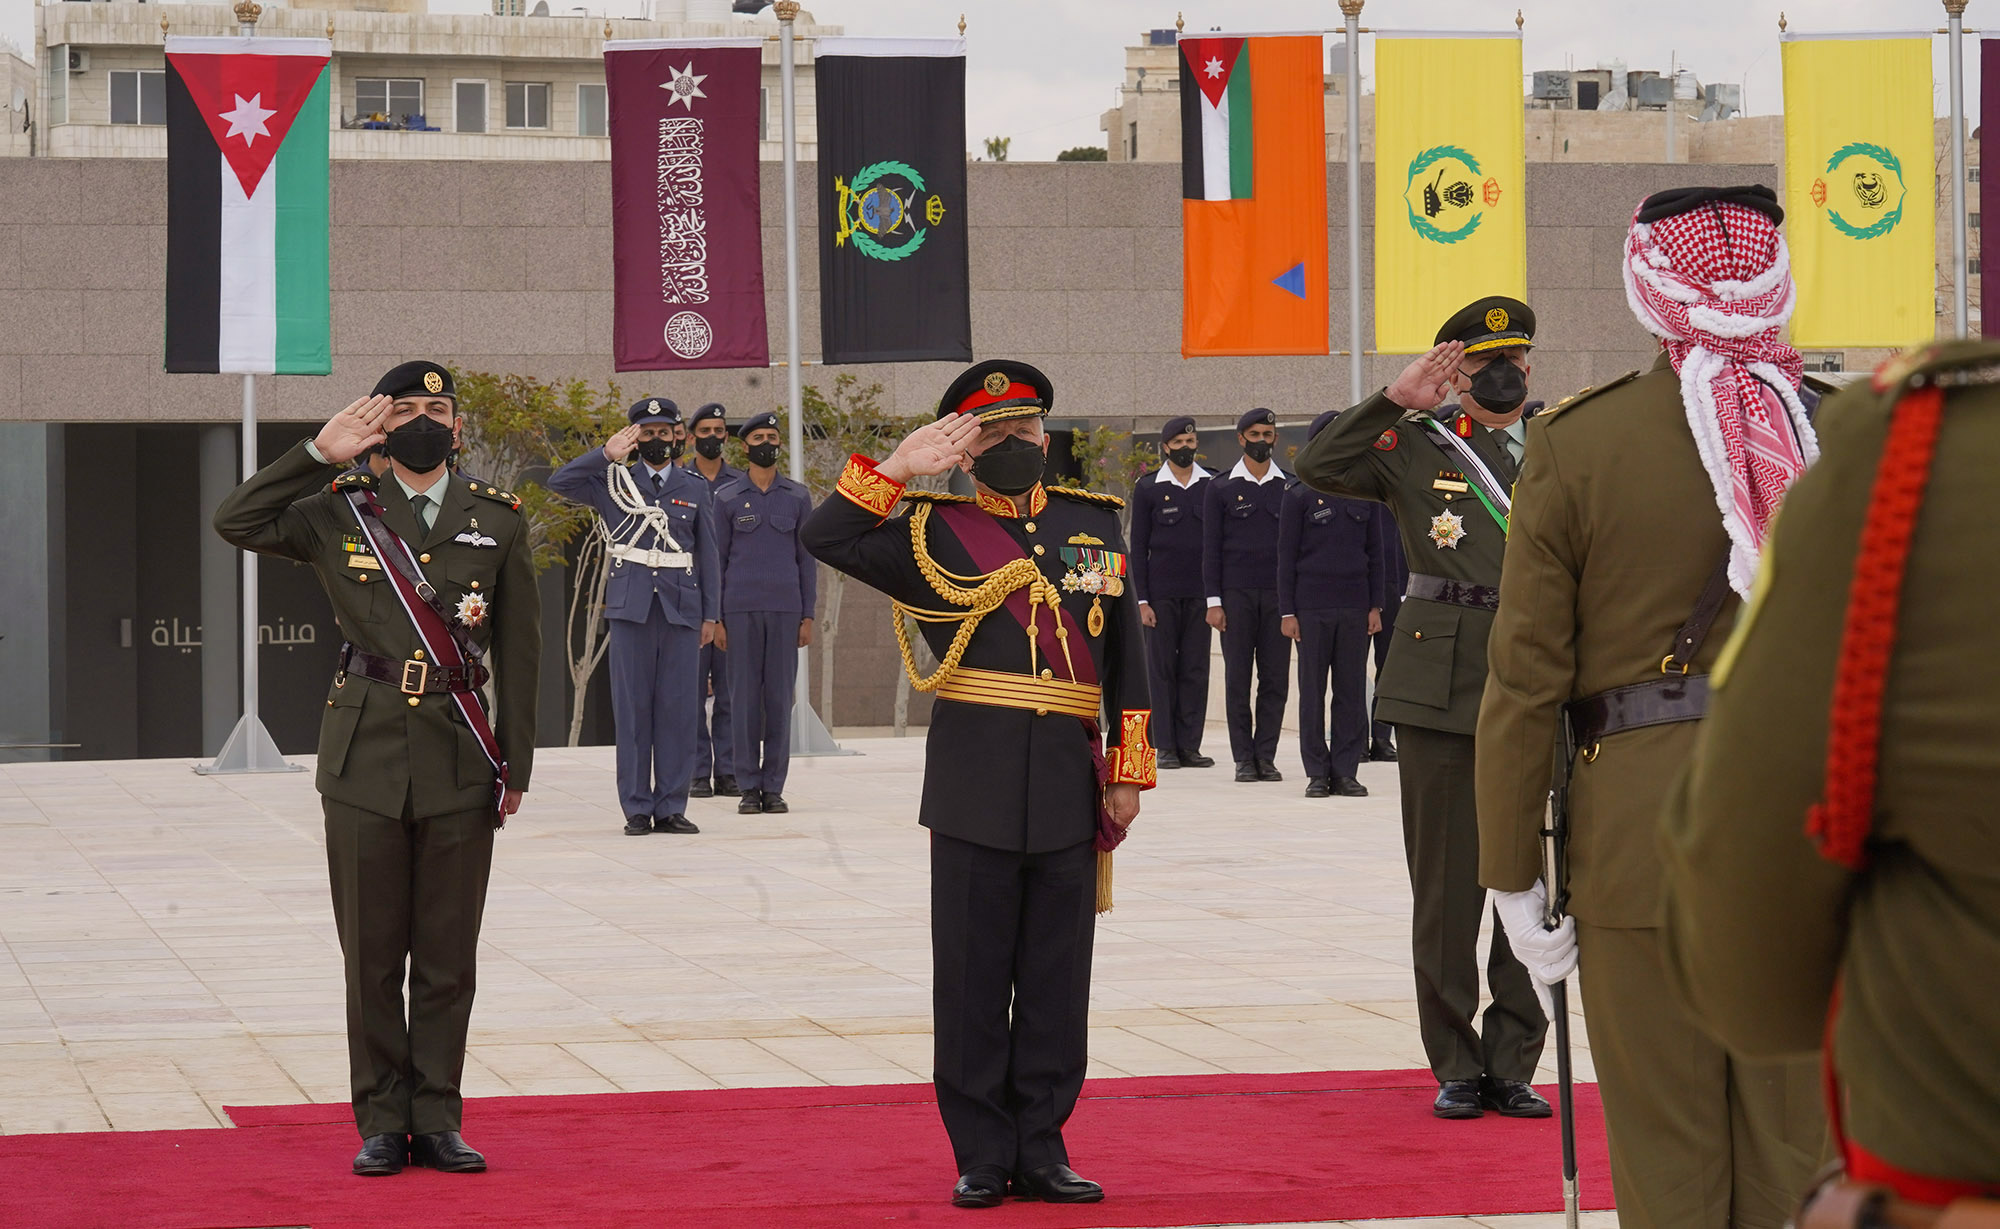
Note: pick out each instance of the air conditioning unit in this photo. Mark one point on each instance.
(79, 60)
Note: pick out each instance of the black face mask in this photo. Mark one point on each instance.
(1182, 457)
(655, 452)
(763, 455)
(420, 445)
(1258, 450)
(1500, 386)
(709, 446)
(1012, 467)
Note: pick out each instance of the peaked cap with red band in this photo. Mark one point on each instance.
(997, 390)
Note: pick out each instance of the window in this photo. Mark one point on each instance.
(1832, 360)
(1132, 143)
(590, 118)
(1972, 174)
(468, 106)
(527, 104)
(389, 97)
(138, 97)
(58, 86)
(1972, 220)
(763, 113)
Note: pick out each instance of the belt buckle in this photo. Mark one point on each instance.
(422, 669)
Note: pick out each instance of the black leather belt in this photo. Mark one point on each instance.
(414, 677)
(1453, 592)
(1660, 701)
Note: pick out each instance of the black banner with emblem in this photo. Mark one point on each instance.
(894, 283)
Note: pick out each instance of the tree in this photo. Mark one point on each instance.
(1083, 153)
(996, 148)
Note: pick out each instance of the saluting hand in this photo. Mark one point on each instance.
(620, 446)
(1426, 382)
(931, 449)
(354, 430)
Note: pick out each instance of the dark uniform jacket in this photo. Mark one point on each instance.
(1759, 923)
(375, 747)
(1006, 778)
(1436, 670)
(1166, 537)
(1240, 532)
(688, 598)
(1329, 552)
(765, 564)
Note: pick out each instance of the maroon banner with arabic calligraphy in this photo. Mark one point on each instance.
(686, 227)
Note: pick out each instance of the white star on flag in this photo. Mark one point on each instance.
(686, 86)
(1213, 68)
(247, 120)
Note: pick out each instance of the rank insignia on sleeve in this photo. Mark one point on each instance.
(1386, 442)
(1447, 530)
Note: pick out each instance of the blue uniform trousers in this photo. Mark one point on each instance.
(763, 673)
(1252, 639)
(656, 705)
(1333, 647)
(1177, 652)
(714, 733)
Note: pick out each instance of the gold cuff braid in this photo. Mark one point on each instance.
(868, 489)
(1133, 761)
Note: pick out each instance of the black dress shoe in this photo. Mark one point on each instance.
(1348, 787)
(1056, 1184)
(1383, 753)
(1318, 787)
(1169, 760)
(752, 804)
(381, 1155)
(1512, 1098)
(774, 804)
(1458, 1099)
(981, 1188)
(700, 788)
(447, 1152)
(638, 825)
(1195, 759)
(1246, 771)
(1267, 771)
(674, 823)
(725, 787)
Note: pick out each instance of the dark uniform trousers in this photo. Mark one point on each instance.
(1011, 937)
(715, 729)
(1252, 637)
(1333, 649)
(416, 885)
(1177, 659)
(763, 675)
(652, 667)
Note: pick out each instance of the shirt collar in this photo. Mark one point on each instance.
(1195, 474)
(1000, 505)
(435, 494)
(659, 473)
(1271, 473)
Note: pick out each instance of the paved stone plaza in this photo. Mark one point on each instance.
(167, 946)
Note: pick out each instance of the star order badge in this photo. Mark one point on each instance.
(1447, 529)
(472, 609)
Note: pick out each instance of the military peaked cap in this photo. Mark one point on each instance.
(1493, 323)
(998, 389)
(654, 409)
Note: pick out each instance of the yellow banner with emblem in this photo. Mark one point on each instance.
(1860, 190)
(1450, 178)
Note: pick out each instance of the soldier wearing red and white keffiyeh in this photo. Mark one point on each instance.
(1714, 284)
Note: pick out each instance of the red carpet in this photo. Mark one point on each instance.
(1170, 1151)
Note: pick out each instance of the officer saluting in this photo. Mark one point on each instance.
(715, 733)
(662, 602)
(1166, 583)
(430, 577)
(1021, 592)
(1445, 473)
(769, 584)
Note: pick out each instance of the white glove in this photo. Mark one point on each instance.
(1549, 954)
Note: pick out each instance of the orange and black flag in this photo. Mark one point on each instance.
(1253, 187)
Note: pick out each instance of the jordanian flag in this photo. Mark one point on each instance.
(247, 260)
(1216, 134)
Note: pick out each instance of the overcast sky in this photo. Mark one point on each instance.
(1043, 71)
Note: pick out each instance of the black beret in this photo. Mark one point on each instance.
(765, 419)
(1176, 426)
(1492, 323)
(998, 389)
(1258, 415)
(1680, 200)
(1320, 424)
(654, 409)
(712, 410)
(417, 378)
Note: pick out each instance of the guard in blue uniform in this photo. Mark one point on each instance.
(1330, 593)
(1395, 578)
(714, 749)
(1166, 580)
(769, 583)
(663, 603)
(1239, 572)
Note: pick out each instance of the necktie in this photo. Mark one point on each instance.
(656, 488)
(421, 505)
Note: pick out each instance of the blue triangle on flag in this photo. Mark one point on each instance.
(1292, 279)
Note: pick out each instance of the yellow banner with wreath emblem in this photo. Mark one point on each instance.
(1860, 191)
(1450, 171)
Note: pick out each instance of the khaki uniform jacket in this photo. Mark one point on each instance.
(1436, 669)
(1615, 532)
(1759, 924)
(375, 748)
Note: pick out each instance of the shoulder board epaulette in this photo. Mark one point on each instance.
(1577, 398)
(355, 480)
(938, 497)
(486, 491)
(1088, 497)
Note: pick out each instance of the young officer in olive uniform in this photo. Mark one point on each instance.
(1239, 569)
(1438, 469)
(1016, 795)
(715, 733)
(769, 584)
(1832, 849)
(1166, 583)
(663, 602)
(409, 790)
(1330, 596)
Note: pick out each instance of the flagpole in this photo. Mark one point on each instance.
(1351, 10)
(1955, 33)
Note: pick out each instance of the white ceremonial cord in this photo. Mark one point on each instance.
(625, 493)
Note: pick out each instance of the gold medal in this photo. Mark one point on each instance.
(1095, 623)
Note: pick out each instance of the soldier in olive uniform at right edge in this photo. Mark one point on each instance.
(1445, 471)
